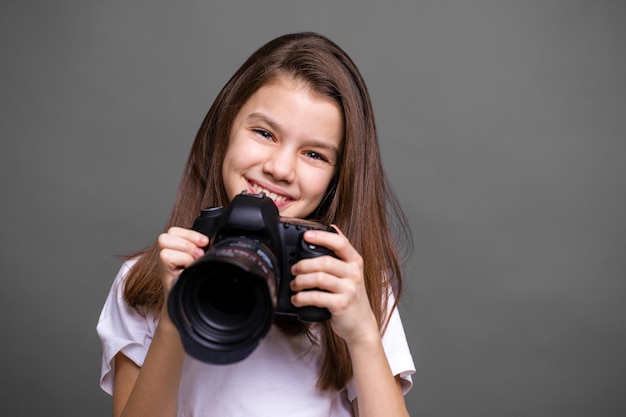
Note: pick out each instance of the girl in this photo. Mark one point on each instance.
(295, 122)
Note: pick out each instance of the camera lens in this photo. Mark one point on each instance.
(227, 306)
(224, 303)
(229, 295)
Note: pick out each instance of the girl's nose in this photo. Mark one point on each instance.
(281, 165)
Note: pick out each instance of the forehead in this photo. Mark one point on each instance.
(302, 84)
(292, 97)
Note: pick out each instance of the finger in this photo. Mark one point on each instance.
(337, 267)
(322, 272)
(317, 280)
(182, 243)
(336, 242)
(174, 260)
(172, 263)
(191, 235)
(333, 302)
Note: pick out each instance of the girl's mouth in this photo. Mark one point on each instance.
(277, 198)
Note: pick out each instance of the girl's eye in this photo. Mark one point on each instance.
(315, 155)
(263, 133)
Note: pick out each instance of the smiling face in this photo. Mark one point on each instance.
(285, 141)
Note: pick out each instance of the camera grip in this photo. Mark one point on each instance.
(206, 222)
(313, 314)
(307, 250)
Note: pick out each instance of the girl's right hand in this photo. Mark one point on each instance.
(179, 247)
(152, 388)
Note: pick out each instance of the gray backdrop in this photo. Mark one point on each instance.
(502, 129)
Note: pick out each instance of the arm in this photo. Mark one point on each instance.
(355, 403)
(152, 390)
(379, 392)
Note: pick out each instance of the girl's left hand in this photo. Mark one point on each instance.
(337, 284)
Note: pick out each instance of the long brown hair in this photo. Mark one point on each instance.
(359, 199)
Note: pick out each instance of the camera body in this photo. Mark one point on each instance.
(224, 303)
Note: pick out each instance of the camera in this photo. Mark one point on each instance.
(224, 303)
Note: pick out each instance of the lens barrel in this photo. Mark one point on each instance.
(224, 303)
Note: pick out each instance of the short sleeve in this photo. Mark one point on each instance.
(122, 328)
(397, 351)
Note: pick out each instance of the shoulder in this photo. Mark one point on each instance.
(397, 347)
(115, 310)
(122, 328)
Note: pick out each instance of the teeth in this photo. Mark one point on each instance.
(276, 197)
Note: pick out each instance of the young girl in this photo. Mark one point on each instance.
(294, 122)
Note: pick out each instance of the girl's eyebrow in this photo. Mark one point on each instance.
(263, 118)
(260, 117)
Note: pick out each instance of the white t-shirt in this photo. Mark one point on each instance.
(277, 379)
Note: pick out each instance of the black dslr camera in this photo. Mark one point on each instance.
(224, 303)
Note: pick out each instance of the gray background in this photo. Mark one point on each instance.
(502, 129)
